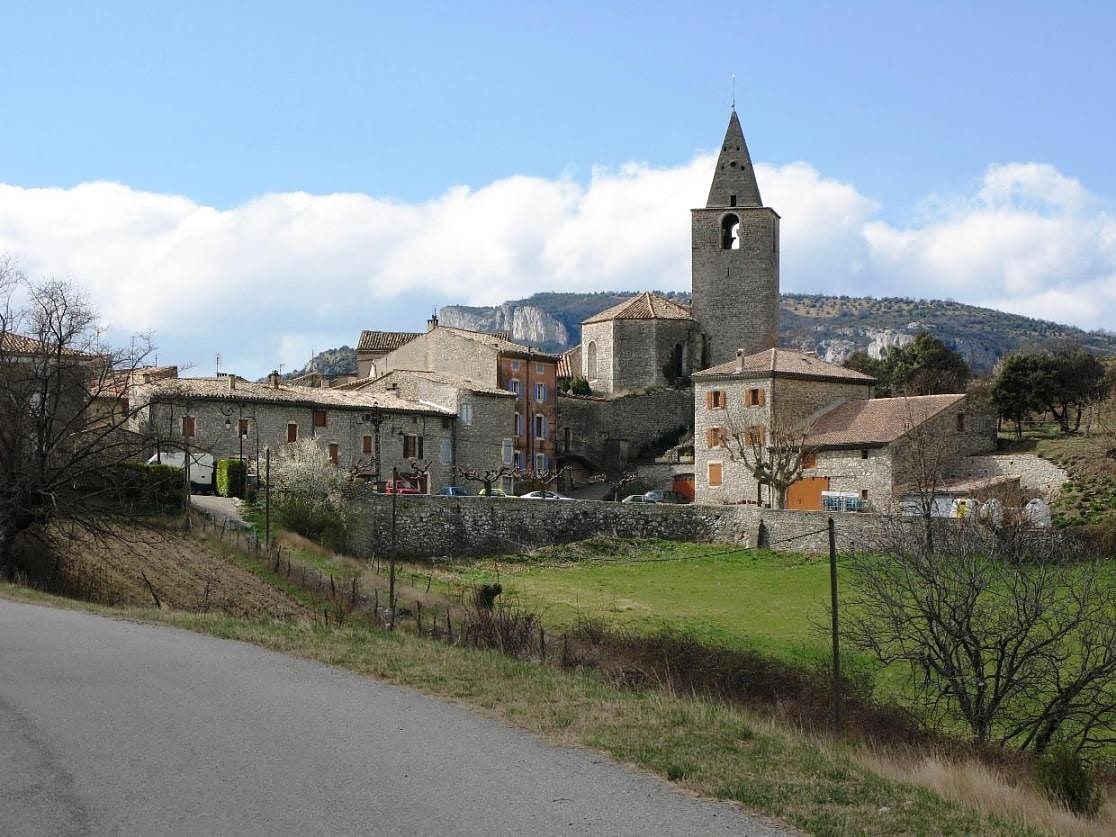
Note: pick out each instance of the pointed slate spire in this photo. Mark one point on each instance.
(734, 182)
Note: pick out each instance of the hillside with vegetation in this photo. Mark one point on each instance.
(832, 326)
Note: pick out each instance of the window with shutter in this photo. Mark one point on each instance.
(334, 453)
(366, 445)
(243, 428)
(714, 473)
(319, 418)
(188, 429)
(292, 432)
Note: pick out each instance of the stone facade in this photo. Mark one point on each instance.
(484, 417)
(271, 415)
(734, 402)
(1035, 473)
(647, 341)
(493, 361)
(605, 433)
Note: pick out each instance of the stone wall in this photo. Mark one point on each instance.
(473, 526)
(1034, 472)
(604, 431)
(851, 470)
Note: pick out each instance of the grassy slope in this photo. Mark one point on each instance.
(709, 748)
(768, 602)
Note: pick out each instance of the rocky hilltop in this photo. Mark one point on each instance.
(832, 326)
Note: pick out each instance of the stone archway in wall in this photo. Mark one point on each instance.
(591, 361)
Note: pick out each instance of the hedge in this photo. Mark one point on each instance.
(149, 488)
(231, 477)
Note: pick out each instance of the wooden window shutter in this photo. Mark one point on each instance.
(366, 445)
(188, 429)
(714, 474)
(761, 395)
(292, 432)
(334, 453)
(709, 400)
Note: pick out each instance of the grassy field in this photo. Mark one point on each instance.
(777, 604)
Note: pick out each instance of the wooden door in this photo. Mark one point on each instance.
(805, 495)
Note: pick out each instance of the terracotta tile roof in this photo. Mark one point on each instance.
(18, 344)
(646, 306)
(384, 341)
(569, 363)
(456, 381)
(784, 363)
(875, 421)
(500, 342)
(249, 393)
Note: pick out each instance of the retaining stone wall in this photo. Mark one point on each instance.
(472, 526)
(1034, 472)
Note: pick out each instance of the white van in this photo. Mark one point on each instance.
(201, 468)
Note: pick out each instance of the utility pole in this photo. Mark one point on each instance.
(836, 635)
(391, 558)
(267, 498)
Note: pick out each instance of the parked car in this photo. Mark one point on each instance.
(544, 495)
(454, 491)
(633, 498)
(663, 496)
(492, 492)
(401, 487)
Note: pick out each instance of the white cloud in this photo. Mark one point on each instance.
(290, 272)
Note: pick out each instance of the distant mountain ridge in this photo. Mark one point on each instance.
(832, 326)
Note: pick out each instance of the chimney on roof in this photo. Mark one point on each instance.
(273, 379)
(232, 382)
(739, 360)
(432, 323)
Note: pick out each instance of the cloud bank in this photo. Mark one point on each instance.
(297, 271)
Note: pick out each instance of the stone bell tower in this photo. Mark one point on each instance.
(735, 259)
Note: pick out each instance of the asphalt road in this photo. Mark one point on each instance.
(110, 727)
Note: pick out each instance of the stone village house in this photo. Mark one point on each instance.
(855, 444)
(492, 361)
(228, 416)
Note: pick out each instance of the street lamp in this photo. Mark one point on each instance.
(375, 416)
(240, 438)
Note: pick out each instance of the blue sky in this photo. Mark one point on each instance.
(311, 169)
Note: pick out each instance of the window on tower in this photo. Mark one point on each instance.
(730, 232)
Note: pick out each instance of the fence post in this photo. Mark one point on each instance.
(836, 634)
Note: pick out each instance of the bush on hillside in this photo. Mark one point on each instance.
(147, 489)
(1064, 778)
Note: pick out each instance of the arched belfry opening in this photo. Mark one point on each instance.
(730, 232)
(591, 361)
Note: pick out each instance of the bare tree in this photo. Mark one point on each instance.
(540, 480)
(487, 477)
(64, 414)
(774, 454)
(1021, 651)
(922, 458)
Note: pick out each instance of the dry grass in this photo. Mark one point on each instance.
(988, 789)
(186, 573)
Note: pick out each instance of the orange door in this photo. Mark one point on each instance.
(805, 495)
(684, 485)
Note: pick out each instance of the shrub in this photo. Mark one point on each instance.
(148, 488)
(580, 386)
(1063, 777)
(231, 477)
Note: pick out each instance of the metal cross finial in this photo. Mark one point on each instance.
(734, 92)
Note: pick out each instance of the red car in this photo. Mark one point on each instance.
(401, 487)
